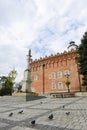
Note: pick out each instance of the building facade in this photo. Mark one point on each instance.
(49, 74)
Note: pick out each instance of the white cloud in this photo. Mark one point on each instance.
(45, 26)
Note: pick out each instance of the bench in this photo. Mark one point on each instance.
(62, 95)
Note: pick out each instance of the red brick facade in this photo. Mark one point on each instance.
(48, 74)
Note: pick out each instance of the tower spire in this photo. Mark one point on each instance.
(26, 87)
(29, 59)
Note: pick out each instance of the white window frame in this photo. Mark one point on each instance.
(66, 72)
(35, 77)
(53, 75)
(59, 74)
(53, 85)
(60, 86)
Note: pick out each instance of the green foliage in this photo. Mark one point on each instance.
(82, 50)
(12, 75)
(8, 82)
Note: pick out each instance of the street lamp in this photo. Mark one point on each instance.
(67, 82)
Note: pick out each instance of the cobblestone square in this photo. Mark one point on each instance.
(39, 110)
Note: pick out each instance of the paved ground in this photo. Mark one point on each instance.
(76, 120)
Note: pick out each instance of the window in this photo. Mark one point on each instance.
(59, 74)
(66, 72)
(60, 85)
(36, 77)
(53, 75)
(53, 85)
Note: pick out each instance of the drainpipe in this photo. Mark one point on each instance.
(79, 77)
(43, 78)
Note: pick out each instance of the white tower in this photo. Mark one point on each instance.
(26, 86)
(72, 46)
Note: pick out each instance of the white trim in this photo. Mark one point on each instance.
(35, 77)
(53, 75)
(53, 85)
(59, 74)
(66, 72)
(60, 85)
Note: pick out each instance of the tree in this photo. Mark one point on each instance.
(2, 80)
(2, 85)
(12, 75)
(8, 82)
(82, 60)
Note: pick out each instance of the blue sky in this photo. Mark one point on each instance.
(44, 26)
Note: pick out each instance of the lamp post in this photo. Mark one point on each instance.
(67, 82)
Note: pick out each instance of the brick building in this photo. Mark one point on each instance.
(48, 74)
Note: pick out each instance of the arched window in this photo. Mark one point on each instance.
(60, 85)
(66, 72)
(53, 75)
(53, 85)
(35, 77)
(59, 74)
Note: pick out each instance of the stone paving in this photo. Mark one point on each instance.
(39, 110)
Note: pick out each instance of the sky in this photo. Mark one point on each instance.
(44, 26)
